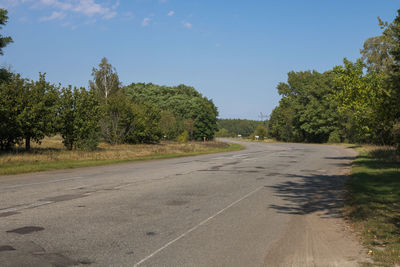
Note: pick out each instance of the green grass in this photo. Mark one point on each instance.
(39, 159)
(373, 203)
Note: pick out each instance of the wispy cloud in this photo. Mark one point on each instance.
(146, 22)
(54, 16)
(88, 8)
(171, 13)
(187, 25)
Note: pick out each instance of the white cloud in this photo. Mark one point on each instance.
(88, 8)
(171, 13)
(54, 16)
(187, 25)
(145, 22)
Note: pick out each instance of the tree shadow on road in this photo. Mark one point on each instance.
(306, 194)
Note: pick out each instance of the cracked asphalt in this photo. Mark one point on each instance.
(268, 205)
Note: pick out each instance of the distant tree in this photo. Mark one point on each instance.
(239, 126)
(306, 112)
(193, 112)
(105, 80)
(4, 41)
(223, 133)
(261, 132)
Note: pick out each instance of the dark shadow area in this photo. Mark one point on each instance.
(341, 158)
(311, 193)
(38, 151)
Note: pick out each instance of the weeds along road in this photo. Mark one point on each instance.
(268, 205)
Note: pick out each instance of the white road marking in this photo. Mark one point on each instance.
(197, 226)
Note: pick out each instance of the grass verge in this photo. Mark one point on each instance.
(373, 203)
(51, 155)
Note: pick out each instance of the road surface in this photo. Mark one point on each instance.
(268, 205)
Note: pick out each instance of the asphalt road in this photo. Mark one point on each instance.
(268, 205)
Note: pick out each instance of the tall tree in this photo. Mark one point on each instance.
(105, 80)
(394, 77)
(12, 94)
(4, 40)
(38, 111)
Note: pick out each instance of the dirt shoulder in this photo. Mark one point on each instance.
(318, 235)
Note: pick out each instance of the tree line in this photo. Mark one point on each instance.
(235, 127)
(355, 102)
(138, 113)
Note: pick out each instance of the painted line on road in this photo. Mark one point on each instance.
(197, 226)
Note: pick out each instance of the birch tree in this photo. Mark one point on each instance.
(105, 80)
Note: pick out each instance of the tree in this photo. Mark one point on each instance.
(105, 80)
(306, 113)
(86, 121)
(66, 117)
(146, 126)
(4, 41)
(192, 111)
(78, 115)
(37, 117)
(261, 132)
(169, 125)
(365, 97)
(394, 78)
(12, 94)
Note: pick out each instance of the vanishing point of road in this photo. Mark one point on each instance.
(267, 205)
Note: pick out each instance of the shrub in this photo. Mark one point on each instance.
(334, 137)
(183, 137)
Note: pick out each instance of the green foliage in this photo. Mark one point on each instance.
(105, 80)
(4, 41)
(224, 133)
(238, 126)
(192, 111)
(38, 110)
(365, 97)
(146, 126)
(79, 114)
(183, 137)
(169, 125)
(12, 94)
(305, 112)
(261, 132)
(334, 137)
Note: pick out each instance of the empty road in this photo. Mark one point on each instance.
(268, 205)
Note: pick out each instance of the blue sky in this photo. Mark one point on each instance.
(234, 52)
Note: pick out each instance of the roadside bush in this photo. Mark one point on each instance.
(261, 132)
(183, 137)
(334, 137)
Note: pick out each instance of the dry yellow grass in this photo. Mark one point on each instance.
(51, 154)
